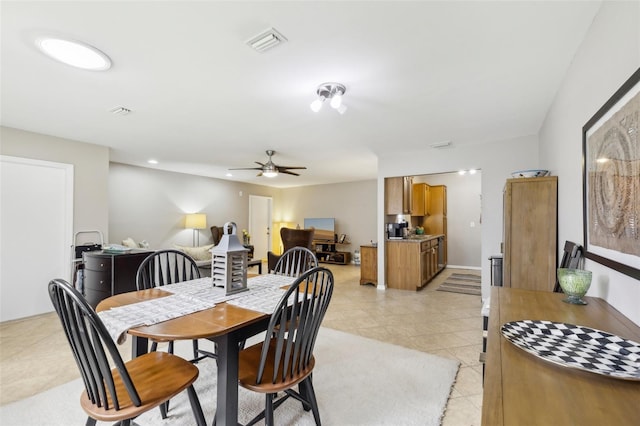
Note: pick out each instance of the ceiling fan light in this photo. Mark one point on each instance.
(336, 100)
(342, 109)
(316, 105)
(270, 174)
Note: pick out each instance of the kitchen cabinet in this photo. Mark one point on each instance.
(368, 265)
(421, 200)
(436, 222)
(107, 274)
(398, 192)
(411, 264)
(530, 244)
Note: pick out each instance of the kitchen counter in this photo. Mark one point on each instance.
(415, 238)
(411, 263)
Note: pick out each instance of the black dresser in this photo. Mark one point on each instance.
(106, 274)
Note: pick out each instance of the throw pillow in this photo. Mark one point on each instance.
(129, 243)
(198, 253)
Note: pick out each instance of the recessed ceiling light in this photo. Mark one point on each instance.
(152, 161)
(228, 175)
(74, 53)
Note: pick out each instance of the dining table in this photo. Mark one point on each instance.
(231, 320)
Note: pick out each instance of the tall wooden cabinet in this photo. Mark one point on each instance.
(530, 235)
(436, 221)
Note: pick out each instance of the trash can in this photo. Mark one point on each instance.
(496, 270)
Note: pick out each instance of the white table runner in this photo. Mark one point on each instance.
(193, 296)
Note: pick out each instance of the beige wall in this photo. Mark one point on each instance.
(148, 204)
(91, 168)
(608, 56)
(352, 204)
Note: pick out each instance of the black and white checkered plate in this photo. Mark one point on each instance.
(576, 346)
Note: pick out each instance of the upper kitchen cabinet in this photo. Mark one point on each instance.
(398, 195)
(530, 233)
(421, 201)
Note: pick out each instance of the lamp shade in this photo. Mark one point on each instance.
(195, 221)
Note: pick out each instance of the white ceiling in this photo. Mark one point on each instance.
(417, 73)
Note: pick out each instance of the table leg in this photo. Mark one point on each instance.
(139, 346)
(227, 389)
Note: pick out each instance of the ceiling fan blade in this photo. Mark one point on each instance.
(288, 172)
(247, 168)
(290, 167)
(257, 162)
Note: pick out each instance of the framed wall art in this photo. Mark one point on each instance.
(611, 181)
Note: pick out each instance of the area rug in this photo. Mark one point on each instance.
(358, 381)
(462, 283)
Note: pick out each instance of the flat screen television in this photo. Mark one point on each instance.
(325, 227)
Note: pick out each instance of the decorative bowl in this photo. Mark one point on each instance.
(575, 283)
(529, 173)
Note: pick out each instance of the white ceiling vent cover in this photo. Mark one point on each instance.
(266, 40)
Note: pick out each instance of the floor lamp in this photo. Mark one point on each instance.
(196, 221)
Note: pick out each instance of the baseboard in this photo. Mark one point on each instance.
(477, 268)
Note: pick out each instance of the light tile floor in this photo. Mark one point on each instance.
(440, 323)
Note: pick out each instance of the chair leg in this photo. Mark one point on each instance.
(268, 410)
(90, 422)
(311, 396)
(163, 409)
(196, 407)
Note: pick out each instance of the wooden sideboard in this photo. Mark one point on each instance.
(521, 389)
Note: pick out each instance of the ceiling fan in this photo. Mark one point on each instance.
(269, 169)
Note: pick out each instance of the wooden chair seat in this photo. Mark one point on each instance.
(157, 376)
(248, 373)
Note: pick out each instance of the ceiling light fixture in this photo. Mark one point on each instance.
(74, 53)
(121, 111)
(444, 144)
(332, 91)
(266, 40)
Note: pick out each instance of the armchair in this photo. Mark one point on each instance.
(291, 238)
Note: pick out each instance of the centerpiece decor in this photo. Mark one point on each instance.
(229, 262)
(574, 283)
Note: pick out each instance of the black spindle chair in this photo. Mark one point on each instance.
(118, 391)
(285, 358)
(165, 267)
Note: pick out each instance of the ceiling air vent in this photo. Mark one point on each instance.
(266, 40)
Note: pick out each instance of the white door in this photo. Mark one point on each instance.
(36, 221)
(260, 225)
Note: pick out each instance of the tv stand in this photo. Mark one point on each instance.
(326, 253)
